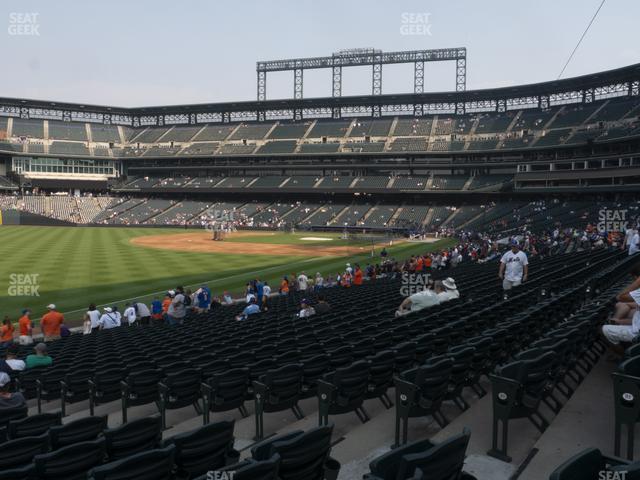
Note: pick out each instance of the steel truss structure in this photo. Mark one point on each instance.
(358, 58)
(623, 81)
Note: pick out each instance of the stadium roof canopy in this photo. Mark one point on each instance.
(585, 88)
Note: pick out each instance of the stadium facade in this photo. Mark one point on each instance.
(576, 137)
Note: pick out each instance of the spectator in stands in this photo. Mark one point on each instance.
(156, 310)
(26, 328)
(203, 296)
(306, 310)
(226, 298)
(6, 332)
(266, 295)
(514, 267)
(50, 323)
(12, 363)
(92, 317)
(108, 319)
(357, 275)
(250, 309)
(215, 303)
(447, 290)
(625, 330)
(419, 301)
(41, 357)
(303, 282)
(634, 242)
(142, 312)
(284, 286)
(322, 306)
(117, 313)
(177, 308)
(188, 300)
(9, 400)
(129, 314)
(166, 303)
(319, 283)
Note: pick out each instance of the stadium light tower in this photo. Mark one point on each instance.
(358, 57)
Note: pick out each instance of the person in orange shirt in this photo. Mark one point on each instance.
(26, 328)
(427, 263)
(50, 323)
(357, 275)
(165, 304)
(284, 286)
(6, 332)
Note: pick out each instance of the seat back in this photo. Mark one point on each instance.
(107, 384)
(284, 384)
(253, 470)
(351, 383)
(433, 379)
(302, 456)
(20, 452)
(71, 462)
(133, 437)
(586, 464)
(444, 461)
(12, 414)
(381, 368)
(386, 466)
(34, 425)
(229, 389)
(184, 387)
(143, 386)
(207, 448)
(150, 465)
(81, 430)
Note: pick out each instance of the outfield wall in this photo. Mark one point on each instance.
(16, 217)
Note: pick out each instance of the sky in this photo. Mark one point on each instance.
(141, 52)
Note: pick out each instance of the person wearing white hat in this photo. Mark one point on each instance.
(50, 323)
(449, 290)
(9, 400)
(108, 319)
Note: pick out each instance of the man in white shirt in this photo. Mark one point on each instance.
(625, 329)
(130, 314)
(514, 267)
(306, 310)
(303, 282)
(108, 319)
(418, 301)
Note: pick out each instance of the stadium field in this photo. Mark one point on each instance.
(73, 267)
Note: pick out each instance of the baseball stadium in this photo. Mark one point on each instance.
(436, 285)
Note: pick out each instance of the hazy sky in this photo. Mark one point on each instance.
(144, 52)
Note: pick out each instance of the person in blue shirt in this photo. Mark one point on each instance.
(251, 309)
(259, 292)
(156, 310)
(204, 298)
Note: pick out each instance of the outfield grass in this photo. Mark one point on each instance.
(76, 266)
